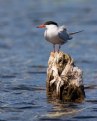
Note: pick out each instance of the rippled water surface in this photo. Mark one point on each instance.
(24, 54)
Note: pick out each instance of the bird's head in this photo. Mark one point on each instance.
(48, 24)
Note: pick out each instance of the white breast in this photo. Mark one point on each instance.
(51, 35)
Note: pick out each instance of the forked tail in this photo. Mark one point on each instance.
(75, 32)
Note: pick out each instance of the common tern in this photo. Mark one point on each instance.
(56, 34)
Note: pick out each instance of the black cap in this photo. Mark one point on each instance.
(50, 22)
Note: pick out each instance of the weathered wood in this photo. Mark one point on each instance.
(64, 79)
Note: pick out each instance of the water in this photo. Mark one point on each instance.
(24, 54)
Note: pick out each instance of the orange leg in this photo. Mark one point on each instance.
(59, 48)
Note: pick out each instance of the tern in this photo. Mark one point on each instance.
(56, 34)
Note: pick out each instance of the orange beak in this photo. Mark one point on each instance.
(41, 26)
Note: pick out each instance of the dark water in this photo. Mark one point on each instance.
(24, 55)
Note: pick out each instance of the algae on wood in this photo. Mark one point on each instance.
(64, 79)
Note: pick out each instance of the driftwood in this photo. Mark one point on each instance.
(64, 79)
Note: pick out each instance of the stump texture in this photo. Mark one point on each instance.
(64, 79)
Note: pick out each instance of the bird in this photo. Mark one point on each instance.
(56, 34)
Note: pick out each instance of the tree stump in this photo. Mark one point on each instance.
(64, 79)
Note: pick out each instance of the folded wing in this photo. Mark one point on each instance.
(63, 33)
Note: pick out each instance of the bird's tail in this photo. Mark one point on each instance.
(75, 32)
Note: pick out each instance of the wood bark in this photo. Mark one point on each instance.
(64, 79)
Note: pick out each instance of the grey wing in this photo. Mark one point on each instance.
(63, 34)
